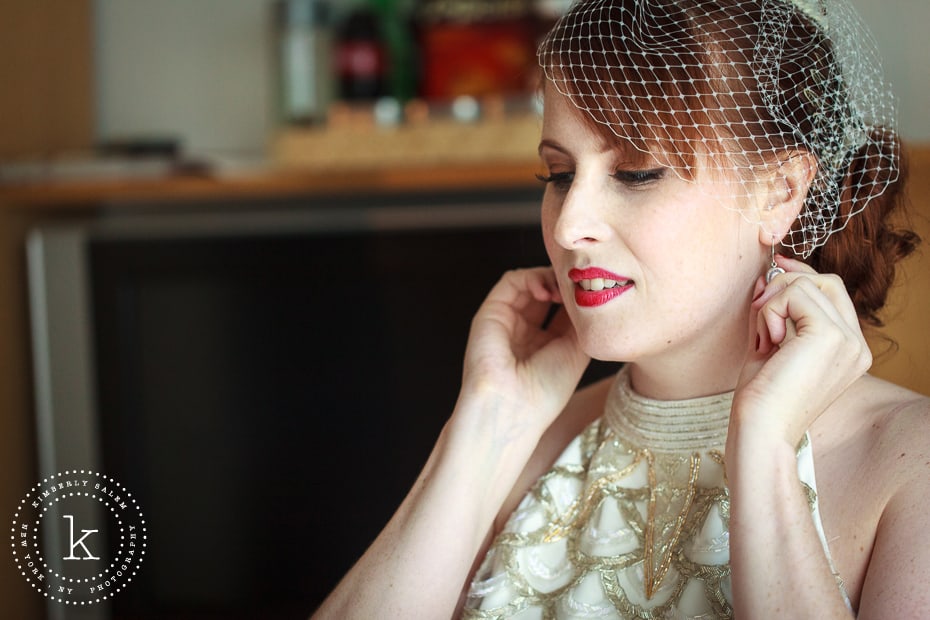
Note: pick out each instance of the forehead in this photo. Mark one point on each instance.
(566, 124)
(560, 116)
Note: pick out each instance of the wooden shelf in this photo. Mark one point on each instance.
(352, 156)
(272, 183)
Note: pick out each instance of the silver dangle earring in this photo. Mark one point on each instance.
(774, 269)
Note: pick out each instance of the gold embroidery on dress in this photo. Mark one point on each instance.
(632, 521)
(659, 516)
(655, 574)
(580, 510)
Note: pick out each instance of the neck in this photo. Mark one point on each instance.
(692, 370)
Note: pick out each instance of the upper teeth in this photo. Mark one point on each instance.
(597, 284)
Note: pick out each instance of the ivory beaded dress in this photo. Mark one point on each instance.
(630, 522)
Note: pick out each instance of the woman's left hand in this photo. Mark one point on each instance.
(806, 348)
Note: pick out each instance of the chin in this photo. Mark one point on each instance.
(605, 347)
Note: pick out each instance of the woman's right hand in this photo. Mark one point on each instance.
(517, 363)
(518, 377)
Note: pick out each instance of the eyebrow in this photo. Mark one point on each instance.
(604, 148)
(551, 144)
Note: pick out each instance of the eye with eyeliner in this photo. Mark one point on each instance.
(631, 178)
(636, 178)
(559, 180)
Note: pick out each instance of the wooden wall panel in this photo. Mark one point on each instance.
(18, 469)
(906, 317)
(46, 77)
(46, 107)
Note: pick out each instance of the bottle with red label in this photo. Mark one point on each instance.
(361, 61)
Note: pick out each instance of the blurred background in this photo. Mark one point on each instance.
(240, 244)
(221, 77)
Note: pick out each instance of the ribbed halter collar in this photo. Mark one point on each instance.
(667, 426)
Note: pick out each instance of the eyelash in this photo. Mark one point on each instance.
(559, 180)
(638, 177)
(632, 178)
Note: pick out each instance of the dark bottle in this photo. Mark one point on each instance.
(398, 33)
(360, 58)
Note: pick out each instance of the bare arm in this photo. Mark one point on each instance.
(808, 349)
(778, 564)
(517, 379)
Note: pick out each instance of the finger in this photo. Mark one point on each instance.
(517, 302)
(570, 357)
(793, 265)
(827, 290)
(561, 324)
(763, 292)
(804, 304)
(780, 281)
(771, 330)
(757, 330)
(542, 283)
(832, 293)
(539, 282)
(831, 284)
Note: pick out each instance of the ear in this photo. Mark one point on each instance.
(784, 194)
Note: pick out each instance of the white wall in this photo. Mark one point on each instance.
(900, 29)
(202, 69)
(196, 69)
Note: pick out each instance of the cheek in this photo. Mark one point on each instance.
(698, 247)
(718, 261)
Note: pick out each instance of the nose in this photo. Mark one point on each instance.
(579, 221)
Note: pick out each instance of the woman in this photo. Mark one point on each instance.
(689, 146)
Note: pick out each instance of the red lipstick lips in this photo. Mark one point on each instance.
(595, 286)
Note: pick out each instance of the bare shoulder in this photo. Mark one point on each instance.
(872, 456)
(899, 427)
(585, 406)
(897, 460)
(901, 445)
(880, 430)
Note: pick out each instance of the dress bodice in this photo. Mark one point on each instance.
(631, 521)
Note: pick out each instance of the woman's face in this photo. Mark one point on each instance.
(649, 264)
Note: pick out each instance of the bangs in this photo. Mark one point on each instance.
(665, 81)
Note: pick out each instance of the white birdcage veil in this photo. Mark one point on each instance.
(742, 82)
